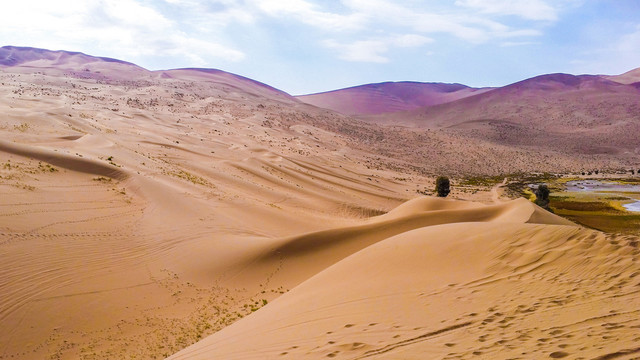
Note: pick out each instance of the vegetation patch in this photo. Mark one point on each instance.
(22, 127)
(597, 211)
(610, 223)
(361, 212)
(572, 205)
(481, 180)
(190, 177)
(102, 179)
(518, 184)
(46, 167)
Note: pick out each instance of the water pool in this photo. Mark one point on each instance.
(607, 188)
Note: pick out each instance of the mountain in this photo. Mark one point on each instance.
(388, 97)
(538, 100)
(567, 113)
(34, 57)
(26, 59)
(76, 63)
(232, 82)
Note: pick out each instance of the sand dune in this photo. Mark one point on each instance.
(630, 77)
(202, 214)
(65, 161)
(452, 291)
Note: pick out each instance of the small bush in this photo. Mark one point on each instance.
(443, 186)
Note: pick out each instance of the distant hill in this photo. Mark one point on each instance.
(233, 81)
(581, 114)
(107, 69)
(28, 56)
(389, 97)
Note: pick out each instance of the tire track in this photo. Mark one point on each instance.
(412, 341)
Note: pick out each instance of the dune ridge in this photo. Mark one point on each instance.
(453, 291)
(65, 161)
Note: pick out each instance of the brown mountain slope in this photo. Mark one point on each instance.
(230, 82)
(388, 97)
(79, 65)
(566, 113)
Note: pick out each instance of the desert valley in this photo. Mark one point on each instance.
(197, 214)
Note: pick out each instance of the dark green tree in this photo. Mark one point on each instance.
(542, 196)
(443, 186)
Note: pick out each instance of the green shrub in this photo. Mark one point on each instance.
(542, 196)
(443, 186)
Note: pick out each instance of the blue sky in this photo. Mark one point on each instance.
(306, 46)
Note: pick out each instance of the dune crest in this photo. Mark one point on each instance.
(452, 290)
(65, 161)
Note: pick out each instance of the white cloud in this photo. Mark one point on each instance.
(460, 22)
(517, 43)
(129, 13)
(630, 43)
(366, 16)
(374, 50)
(309, 13)
(527, 9)
(126, 29)
(361, 51)
(411, 40)
(619, 56)
(198, 30)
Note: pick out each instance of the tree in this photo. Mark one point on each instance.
(542, 196)
(443, 186)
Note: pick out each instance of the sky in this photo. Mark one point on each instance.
(308, 46)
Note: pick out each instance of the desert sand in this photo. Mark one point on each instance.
(194, 213)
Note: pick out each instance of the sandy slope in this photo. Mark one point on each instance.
(630, 77)
(141, 212)
(498, 287)
(128, 205)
